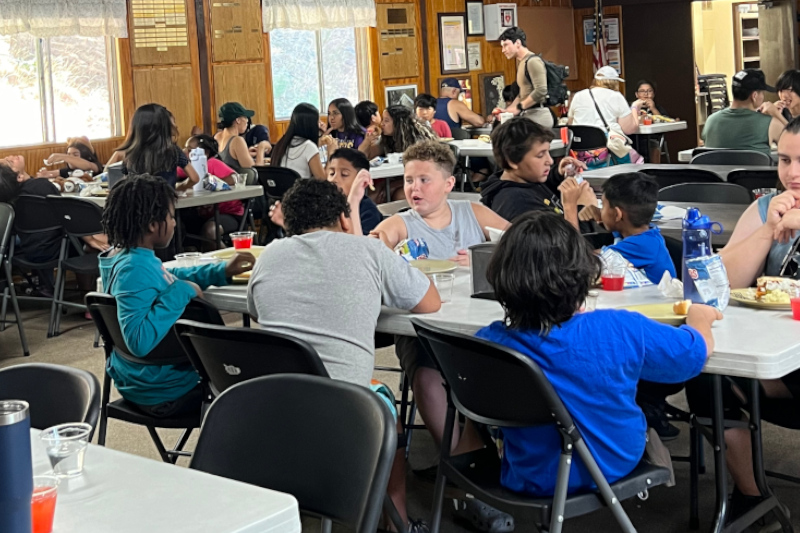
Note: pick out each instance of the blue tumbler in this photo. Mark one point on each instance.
(16, 468)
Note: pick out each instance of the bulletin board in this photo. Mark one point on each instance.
(551, 32)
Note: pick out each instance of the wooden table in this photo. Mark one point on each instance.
(126, 493)
(598, 176)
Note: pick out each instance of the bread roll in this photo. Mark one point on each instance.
(682, 307)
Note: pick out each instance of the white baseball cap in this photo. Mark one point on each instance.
(607, 73)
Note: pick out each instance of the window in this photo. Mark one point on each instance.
(57, 88)
(314, 67)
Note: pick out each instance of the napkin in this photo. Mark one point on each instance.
(669, 212)
(670, 287)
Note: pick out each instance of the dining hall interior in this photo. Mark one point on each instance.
(399, 265)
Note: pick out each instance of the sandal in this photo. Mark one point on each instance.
(482, 516)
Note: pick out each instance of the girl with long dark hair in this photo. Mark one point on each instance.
(298, 148)
(344, 131)
(79, 156)
(150, 147)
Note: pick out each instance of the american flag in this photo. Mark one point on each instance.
(600, 55)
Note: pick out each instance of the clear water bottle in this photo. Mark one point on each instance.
(697, 230)
(16, 470)
(199, 162)
(323, 155)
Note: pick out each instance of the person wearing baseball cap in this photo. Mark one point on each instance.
(234, 119)
(451, 110)
(749, 123)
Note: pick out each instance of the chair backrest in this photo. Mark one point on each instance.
(570, 137)
(672, 176)
(276, 181)
(57, 394)
(755, 179)
(675, 250)
(473, 367)
(33, 214)
(6, 227)
(588, 138)
(731, 157)
(711, 193)
(328, 443)
(103, 308)
(225, 356)
(78, 217)
(460, 134)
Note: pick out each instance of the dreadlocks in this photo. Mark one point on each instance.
(407, 130)
(133, 204)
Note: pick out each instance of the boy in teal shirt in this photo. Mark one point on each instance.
(139, 217)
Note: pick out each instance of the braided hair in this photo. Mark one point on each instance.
(133, 204)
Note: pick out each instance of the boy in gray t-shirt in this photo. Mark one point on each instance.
(326, 287)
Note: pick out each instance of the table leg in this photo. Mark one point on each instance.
(246, 320)
(246, 215)
(465, 176)
(720, 468)
(388, 190)
(217, 232)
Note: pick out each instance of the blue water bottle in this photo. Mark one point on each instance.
(697, 230)
(16, 469)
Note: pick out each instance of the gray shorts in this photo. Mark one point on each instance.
(411, 355)
(540, 115)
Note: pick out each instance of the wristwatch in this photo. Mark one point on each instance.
(519, 106)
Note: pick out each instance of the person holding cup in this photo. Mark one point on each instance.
(200, 221)
(139, 217)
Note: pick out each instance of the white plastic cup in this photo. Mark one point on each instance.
(394, 159)
(505, 116)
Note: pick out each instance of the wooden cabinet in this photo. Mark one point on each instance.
(746, 36)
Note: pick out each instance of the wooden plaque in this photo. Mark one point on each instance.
(397, 41)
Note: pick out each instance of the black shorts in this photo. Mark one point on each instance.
(411, 355)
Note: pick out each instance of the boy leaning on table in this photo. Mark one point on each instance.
(597, 381)
(629, 202)
(139, 217)
(325, 286)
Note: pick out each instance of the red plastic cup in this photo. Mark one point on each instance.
(647, 120)
(242, 240)
(613, 282)
(43, 503)
(795, 308)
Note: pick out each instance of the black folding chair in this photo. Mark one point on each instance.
(730, 157)
(7, 279)
(755, 179)
(712, 193)
(225, 356)
(79, 218)
(673, 176)
(275, 182)
(328, 443)
(57, 394)
(103, 309)
(460, 134)
(471, 369)
(675, 250)
(557, 134)
(587, 138)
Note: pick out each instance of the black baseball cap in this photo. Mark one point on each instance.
(751, 79)
(233, 110)
(451, 83)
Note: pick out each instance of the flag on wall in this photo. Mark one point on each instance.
(599, 52)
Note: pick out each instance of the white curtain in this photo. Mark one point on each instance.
(54, 18)
(317, 14)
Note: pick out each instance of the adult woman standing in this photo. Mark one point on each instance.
(234, 152)
(298, 148)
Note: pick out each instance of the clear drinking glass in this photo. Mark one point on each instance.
(240, 180)
(444, 284)
(188, 259)
(66, 445)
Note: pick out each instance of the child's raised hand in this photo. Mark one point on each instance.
(358, 189)
(240, 262)
(571, 191)
(276, 215)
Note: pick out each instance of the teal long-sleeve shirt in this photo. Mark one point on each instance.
(150, 299)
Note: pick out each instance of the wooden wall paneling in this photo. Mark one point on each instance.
(159, 32)
(243, 83)
(172, 87)
(36, 153)
(398, 55)
(125, 73)
(236, 30)
(584, 52)
(196, 118)
(551, 33)
(378, 85)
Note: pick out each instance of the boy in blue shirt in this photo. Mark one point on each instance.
(629, 201)
(139, 216)
(597, 380)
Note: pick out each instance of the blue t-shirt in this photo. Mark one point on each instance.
(150, 299)
(370, 215)
(594, 362)
(647, 252)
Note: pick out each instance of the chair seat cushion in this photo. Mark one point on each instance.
(126, 411)
(479, 473)
(83, 264)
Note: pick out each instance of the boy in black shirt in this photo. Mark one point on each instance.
(528, 180)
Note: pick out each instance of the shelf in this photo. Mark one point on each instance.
(750, 38)
(748, 16)
(750, 59)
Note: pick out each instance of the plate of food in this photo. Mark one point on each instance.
(446, 139)
(244, 277)
(673, 314)
(227, 253)
(770, 292)
(434, 266)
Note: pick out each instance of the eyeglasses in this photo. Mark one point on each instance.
(645, 91)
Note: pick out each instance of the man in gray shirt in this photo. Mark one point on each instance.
(531, 78)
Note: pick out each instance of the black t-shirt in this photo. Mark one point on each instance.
(40, 247)
(510, 199)
(171, 175)
(256, 134)
(370, 215)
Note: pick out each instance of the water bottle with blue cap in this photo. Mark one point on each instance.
(697, 231)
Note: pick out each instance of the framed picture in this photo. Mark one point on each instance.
(491, 87)
(453, 43)
(401, 95)
(474, 56)
(475, 17)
